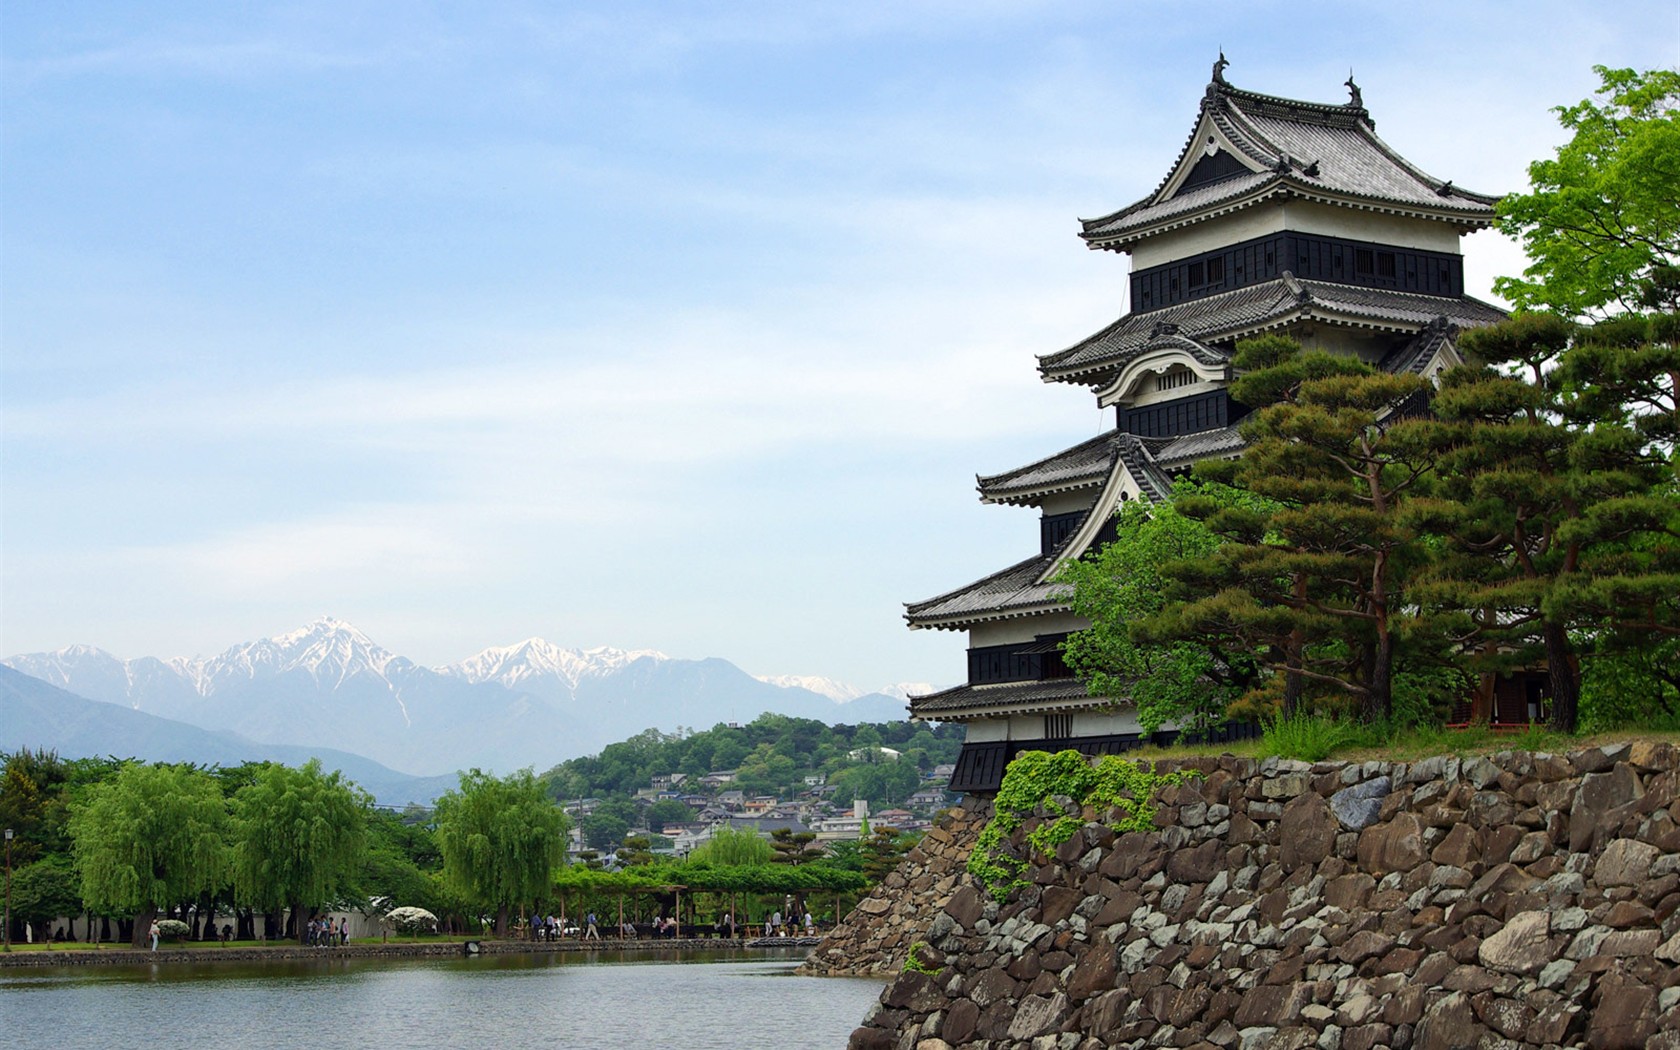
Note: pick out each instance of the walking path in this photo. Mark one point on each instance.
(184, 954)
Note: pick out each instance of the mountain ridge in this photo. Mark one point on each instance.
(505, 707)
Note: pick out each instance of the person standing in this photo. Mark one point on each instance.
(154, 933)
(591, 933)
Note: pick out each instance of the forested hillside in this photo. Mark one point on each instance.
(772, 755)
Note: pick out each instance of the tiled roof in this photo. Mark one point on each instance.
(1223, 318)
(1185, 450)
(1304, 149)
(1141, 464)
(1414, 355)
(1085, 464)
(1061, 694)
(1013, 591)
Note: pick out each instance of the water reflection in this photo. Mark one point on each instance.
(695, 1001)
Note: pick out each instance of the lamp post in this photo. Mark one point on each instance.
(8, 889)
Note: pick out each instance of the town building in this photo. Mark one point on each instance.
(1278, 216)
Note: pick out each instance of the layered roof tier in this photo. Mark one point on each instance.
(1249, 148)
(1210, 326)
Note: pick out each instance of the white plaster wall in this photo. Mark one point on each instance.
(1303, 216)
(1068, 502)
(986, 730)
(1209, 235)
(1332, 221)
(1024, 629)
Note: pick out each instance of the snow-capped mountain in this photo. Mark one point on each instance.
(844, 692)
(839, 692)
(544, 668)
(533, 703)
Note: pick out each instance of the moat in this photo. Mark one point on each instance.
(700, 1000)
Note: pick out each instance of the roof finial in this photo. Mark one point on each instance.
(1219, 68)
(1355, 99)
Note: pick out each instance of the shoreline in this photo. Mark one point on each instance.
(389, 950)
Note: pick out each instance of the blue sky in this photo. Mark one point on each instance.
(678, 326)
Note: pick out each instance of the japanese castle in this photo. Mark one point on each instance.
(1278, 216)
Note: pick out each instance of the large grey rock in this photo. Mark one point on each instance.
(1523, 946)
(1308, 831)
(1625, 862)
(1037, 1015)
(1357, 807)
(1395, 846)
(1449, 1025)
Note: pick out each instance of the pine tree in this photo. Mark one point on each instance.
(1313, 579)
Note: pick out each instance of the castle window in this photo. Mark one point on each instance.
(1173, 380)
(1385, 264)
(1198, 275)
(1364, 261)
(1215, 270)
(1058, 726)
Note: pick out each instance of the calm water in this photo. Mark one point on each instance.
(692, 1001)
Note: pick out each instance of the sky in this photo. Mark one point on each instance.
(679, 326)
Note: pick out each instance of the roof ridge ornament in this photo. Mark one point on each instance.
(1218, 86)
(1355, 99)
(1163, 328)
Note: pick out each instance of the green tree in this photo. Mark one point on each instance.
(603, 830)
(668, 811)
(501, 838)
(1542, 502)
(299, 837)
(149, 838)
(881, 851)
(33, 803)
(1186, 681)
(1312, 579)
(794, 847)
(45, 890)
(1602, 218)
(733, 847)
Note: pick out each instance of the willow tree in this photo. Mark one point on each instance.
(733, 847)
(149, 838)
(300, 837)
(501, 839)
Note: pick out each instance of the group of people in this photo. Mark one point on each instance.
(779, 925)
(321, 934)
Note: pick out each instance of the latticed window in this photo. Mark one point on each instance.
(1174, 379)
(1058, 726)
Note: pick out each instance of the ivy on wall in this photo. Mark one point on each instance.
(1068, 781)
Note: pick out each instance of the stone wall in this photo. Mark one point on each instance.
(1519, 900)
(875, 937)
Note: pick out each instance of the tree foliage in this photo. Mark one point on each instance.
(1602, 218)
(1310, 576)
(733, 847)
(501, 839)
(1543, 498)
(148, 838)
(300, 834)
(1187, 681)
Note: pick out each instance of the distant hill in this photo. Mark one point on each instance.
(530, 704)
(38, 715)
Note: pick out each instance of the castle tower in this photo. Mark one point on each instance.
(1278, 216)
